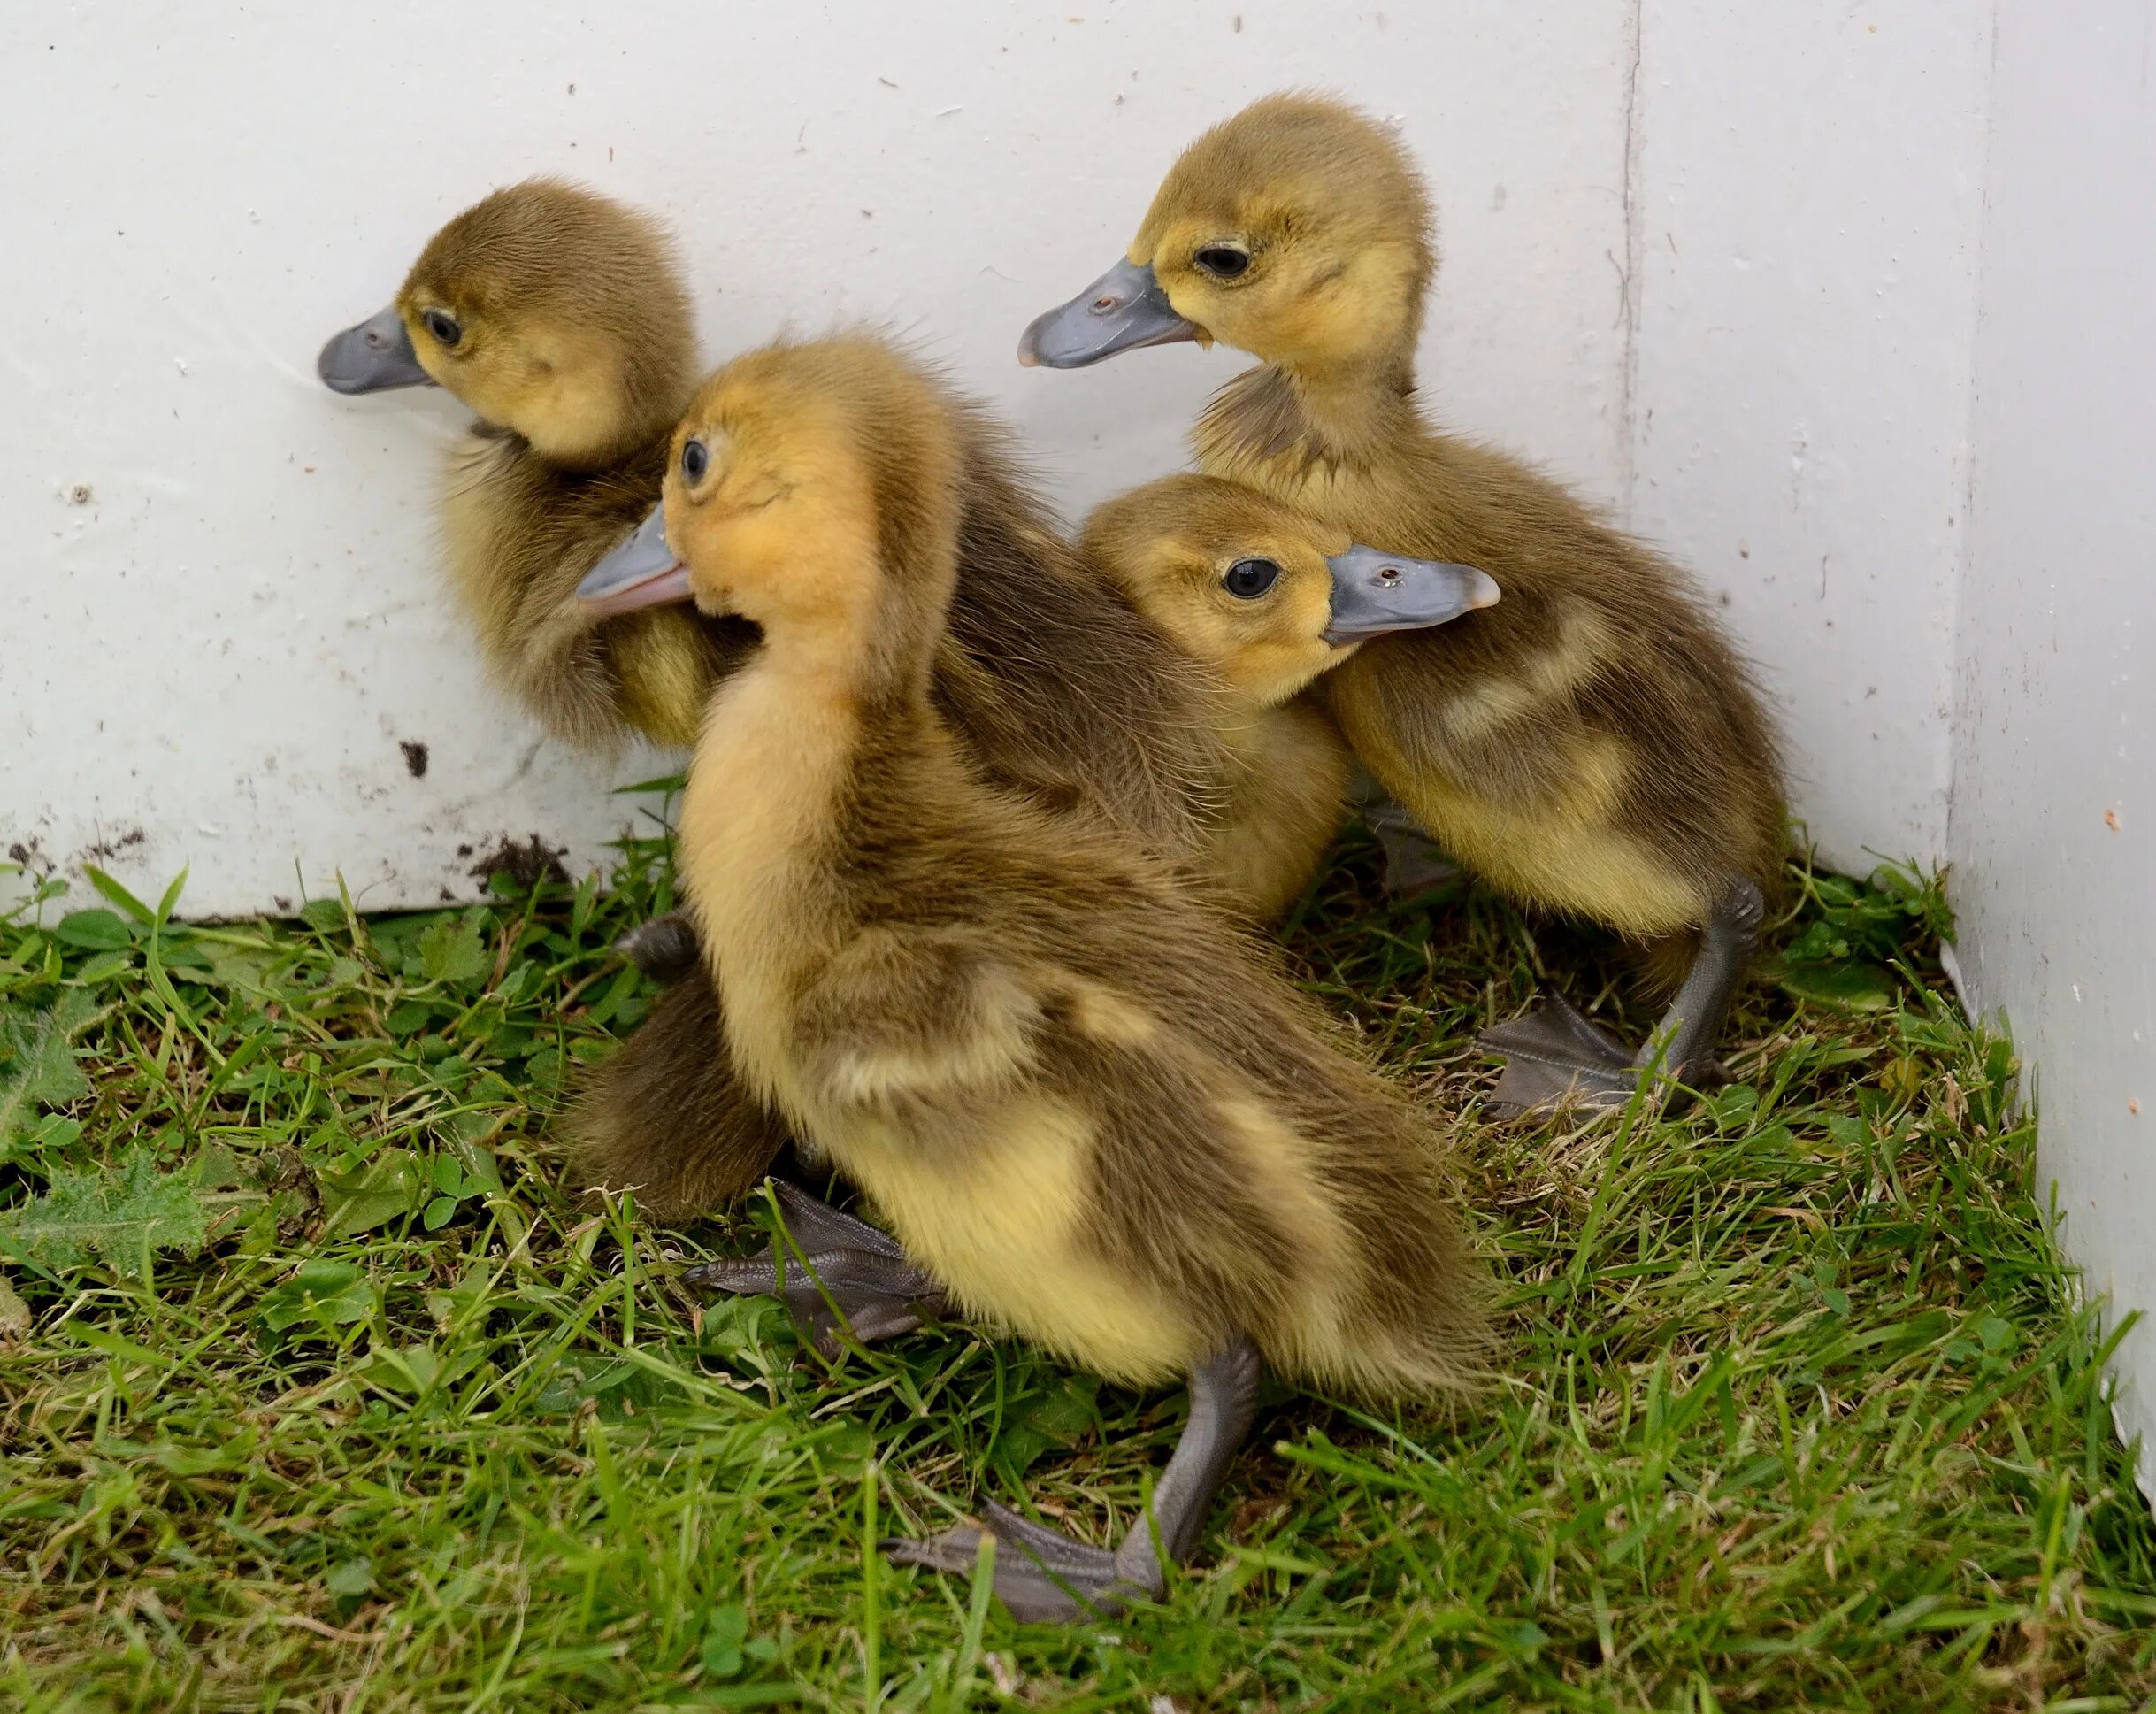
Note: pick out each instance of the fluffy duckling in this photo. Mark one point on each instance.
(1087, 1104)
(1591, 745)
(1057, 688)
(559, 317)
(1265, 598)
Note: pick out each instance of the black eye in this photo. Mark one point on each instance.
(1250, 577)
(444, 326)
(696, 459)
(1224, 260)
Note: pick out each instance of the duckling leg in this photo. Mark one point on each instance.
(1555, 1056)
(837, 1275)
(1684, 1041)
(1043, 1577)
(1412, 863)
(665, 948)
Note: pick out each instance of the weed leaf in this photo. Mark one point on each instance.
(39, 1061)
(390, 1183)
(96, 930)
(1855, 986)
(117, 1217)
(453, 952)
(327, 1293)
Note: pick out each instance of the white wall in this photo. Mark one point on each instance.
(2055, 734)
(1808, 203)
(222, 647)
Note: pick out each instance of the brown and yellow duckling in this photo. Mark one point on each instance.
(1264, 599)
(1086, 1103)
(1059, 690)
(560, 317)
(1592, 744)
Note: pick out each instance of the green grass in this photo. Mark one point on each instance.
(316, 1391)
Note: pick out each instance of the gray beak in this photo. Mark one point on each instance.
(1123, 309)
(1376, 593)
(641, 573)
(372, 357)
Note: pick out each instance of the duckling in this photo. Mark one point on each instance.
(560, 317)
(1264, 599)
(1059, 690)
(1087, 1104)
(1593, 745)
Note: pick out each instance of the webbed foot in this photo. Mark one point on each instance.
(836, 1276)
(1555, 1058)
(1046, 1578)
(1041, 1575)
(1413, 862)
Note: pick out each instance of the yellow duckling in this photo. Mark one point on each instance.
(559, 317)
(1091, 1109)
(1265, 598)
(1592, 744)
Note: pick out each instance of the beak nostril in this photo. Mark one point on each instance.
(1389, 574)
(1104, 303)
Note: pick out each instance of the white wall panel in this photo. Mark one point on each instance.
(1808, 204)
(2054, 800)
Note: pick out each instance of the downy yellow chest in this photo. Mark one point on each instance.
(1286, 780)
(770, 765)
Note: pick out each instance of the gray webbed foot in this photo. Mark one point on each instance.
(835, 1275)
(1557, 1057)
(1042, 1576)
(1412, 863)
(665, 948)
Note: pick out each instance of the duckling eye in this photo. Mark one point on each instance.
(1224, 261)
(696, 459)
(444, 326)
(1248, 579)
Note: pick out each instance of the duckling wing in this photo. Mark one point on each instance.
(904, 1015)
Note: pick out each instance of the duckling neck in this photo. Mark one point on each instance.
(776, 760)
(778, 779)
(596, 422)
(1342, 414)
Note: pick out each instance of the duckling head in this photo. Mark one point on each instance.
(810, 488)
(548, 310)
(1299, 231)
(1266, 596)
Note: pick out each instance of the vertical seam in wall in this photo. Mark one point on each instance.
(1959, 713)
(1629, 282)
